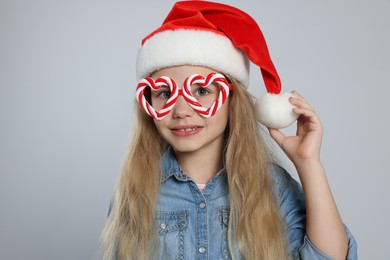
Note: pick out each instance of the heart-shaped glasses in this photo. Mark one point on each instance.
(205, 95)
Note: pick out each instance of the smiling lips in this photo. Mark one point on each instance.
(184, 131)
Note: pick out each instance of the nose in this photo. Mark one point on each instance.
(182, 109)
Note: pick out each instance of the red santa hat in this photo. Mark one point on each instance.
(220, 37)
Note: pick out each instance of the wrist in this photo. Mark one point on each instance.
(308, 165)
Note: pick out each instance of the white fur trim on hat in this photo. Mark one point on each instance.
(192, 47)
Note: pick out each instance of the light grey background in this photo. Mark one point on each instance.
(67, 79)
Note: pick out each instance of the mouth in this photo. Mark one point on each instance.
(186, 130)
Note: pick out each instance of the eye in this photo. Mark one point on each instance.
(164, 94)
(201, 91)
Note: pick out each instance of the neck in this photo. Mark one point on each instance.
(201, 165)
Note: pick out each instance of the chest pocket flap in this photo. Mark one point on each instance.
(170, 221)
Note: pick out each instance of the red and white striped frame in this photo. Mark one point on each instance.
(204, 82)
(154, 86)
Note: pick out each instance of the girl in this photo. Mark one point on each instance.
(198, 181)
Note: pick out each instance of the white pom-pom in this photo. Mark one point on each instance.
(275, 111)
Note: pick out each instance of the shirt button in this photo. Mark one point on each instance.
(202, 249)
(202, 205)
(163, 226)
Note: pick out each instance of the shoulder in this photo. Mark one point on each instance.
(283, 183)
(289, 195)
(280, 177)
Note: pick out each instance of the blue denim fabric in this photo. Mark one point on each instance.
(193, 225)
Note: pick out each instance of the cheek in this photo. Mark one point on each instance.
(225, 110)
(159, 128)
(157, 123)
(222, 116)
(161, 125)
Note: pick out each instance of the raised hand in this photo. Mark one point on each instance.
(306, 144)
(324, 226)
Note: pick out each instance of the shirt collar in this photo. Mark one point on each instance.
(170, 166)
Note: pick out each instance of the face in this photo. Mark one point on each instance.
(183, 128)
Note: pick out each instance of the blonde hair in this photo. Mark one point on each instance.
(255, 222)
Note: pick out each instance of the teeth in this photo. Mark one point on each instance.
(187, 129)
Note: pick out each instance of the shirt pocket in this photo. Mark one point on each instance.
(224, 219)
(171, 226)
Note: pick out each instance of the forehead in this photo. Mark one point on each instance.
(180, 73)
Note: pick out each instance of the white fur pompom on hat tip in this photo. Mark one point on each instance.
(275, 110)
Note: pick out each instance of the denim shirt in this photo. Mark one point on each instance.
(193, 225)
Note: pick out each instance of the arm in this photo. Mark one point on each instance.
(324, 226)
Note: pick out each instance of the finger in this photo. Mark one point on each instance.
(297, 95)
(277, 136)
(300, 97)
(307, 114)
(300, 103)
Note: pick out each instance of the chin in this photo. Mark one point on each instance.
(185, 148)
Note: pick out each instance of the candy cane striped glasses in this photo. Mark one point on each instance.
(205, 95)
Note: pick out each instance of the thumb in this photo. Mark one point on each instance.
(277, 136)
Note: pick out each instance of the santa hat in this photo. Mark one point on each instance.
(220, 37)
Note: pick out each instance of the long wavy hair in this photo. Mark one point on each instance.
(255, 222)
